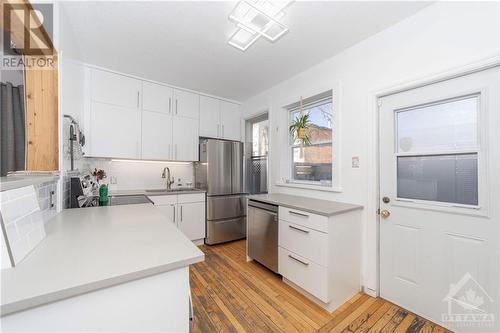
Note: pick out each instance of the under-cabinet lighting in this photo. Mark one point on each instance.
(149, 161)
(255, 19)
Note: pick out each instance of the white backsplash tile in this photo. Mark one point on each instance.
(24, 212)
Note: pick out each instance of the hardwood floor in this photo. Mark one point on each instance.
(232, 295)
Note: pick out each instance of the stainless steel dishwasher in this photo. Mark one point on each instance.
(262, 237)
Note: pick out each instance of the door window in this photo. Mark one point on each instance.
(437, 151)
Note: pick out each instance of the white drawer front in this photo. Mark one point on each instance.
(192, 197)
(308, 275)
(309, 243)
(305, 219)
(164, 199)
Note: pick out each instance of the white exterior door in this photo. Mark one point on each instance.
(439, 200)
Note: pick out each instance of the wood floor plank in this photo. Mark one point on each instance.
(230, 294)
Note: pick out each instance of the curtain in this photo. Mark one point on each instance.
(12, 128)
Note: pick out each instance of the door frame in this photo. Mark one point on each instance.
(374, 167)
(263, 112)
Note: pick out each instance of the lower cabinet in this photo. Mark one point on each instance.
(321, 255)
(191, 219)
(186, 211)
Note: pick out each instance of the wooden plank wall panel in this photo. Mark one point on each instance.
(41, 87)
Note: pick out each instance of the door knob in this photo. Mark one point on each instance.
(385, 213)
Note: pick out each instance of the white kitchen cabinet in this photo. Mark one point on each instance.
(186, 211)
(156, 97)
(191, 219)
(230, 117)
(219, 119)
(115, 89)
(168, 211)
(186, 104)
(156, 136)
(209, 117)
(115, 131)
(185, 139)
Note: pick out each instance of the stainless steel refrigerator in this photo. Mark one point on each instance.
(220, 173)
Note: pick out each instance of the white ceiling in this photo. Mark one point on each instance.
(185, 43)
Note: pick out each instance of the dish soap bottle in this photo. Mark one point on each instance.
(103, 195)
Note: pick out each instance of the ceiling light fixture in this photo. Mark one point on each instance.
(257, 18)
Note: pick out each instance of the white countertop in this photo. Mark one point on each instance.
(311, 205)
(91, 248)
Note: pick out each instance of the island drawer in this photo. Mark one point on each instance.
(306, 219)
(309, 243)
(306, 274)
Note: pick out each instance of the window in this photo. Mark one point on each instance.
(437, 151)
(312, 162)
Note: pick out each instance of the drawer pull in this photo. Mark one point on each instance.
(298, 260)
(298, 214)
(298, 229)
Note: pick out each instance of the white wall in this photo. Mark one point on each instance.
(440, 38)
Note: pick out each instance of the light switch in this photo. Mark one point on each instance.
(355, 161)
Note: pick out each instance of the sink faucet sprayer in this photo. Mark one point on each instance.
(166, 174)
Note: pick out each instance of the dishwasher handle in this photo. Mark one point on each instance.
(263, 205)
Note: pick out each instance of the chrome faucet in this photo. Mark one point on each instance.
(166, 174)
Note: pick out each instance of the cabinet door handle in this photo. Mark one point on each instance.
(298, 229)
(298, 214)
(137, 99)
(170, 105)
(181, 213)
(298, 260)
(176, 106)
(222, 130)
(218, 126)
(173, 206)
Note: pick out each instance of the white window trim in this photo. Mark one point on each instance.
(335, 185)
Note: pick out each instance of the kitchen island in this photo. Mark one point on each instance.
(117, 268)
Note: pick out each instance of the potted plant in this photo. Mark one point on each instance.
(298, 129)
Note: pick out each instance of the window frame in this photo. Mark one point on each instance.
(450, 152)
(334, 184)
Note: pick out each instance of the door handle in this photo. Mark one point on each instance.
(298, 214)
(218, 130)
(298, 229)
(385, 213)
(222, 130)
(298, 260)
(181, 213)
(170, 105)
(176, 106)
(173, 206)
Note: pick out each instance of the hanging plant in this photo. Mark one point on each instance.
(298, 129)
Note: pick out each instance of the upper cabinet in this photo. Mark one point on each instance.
(209, 117)
(186, 104)
(114, 119)
(115, 89)
(219, 119)
(230, 121)
(132, 118)
(156, 97)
